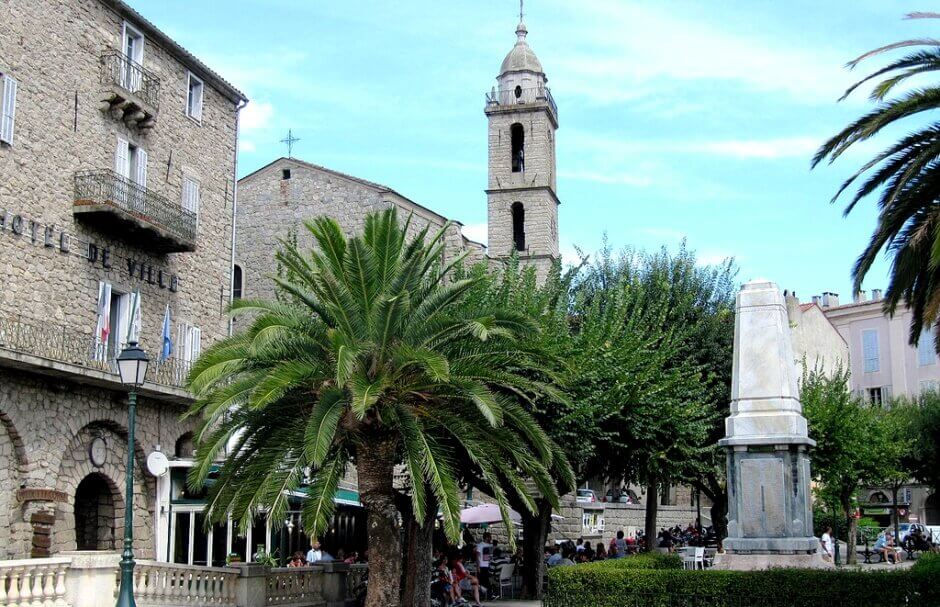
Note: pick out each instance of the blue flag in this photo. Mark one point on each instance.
(167, 349)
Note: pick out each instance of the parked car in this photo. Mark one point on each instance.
(586, 496)
(905, 529)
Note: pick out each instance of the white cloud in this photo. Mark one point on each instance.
(476, 232)
(636, 49)
(714, 258)
(782, 147)
(246, 146)
(612, 178)
(256, 115)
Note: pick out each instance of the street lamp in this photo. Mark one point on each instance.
(132, 368)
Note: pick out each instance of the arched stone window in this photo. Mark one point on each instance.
(184, 446)
(518, 226)
(517, 136)
(236, 282)
(94, 514)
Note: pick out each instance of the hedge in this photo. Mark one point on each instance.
(618, 583)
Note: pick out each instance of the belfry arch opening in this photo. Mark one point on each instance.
(517, 135)
(518, 226)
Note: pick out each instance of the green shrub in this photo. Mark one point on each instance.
(649, 560)
(602, 585)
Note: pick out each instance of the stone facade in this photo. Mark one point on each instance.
(276, 200)
(53, 399)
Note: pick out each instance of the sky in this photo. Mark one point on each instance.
(679, 120)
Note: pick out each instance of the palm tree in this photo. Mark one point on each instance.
(365, 360)
(907, 174)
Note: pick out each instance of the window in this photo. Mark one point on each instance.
(518, 226)
(130, 162)
(133, 48)
(870, 350)
(285, 174)
(875, 395)
(929, 385)
(194, 97)
(517, 137)
(191, 195)
(190, 338)
(237, 282)
(7, 109)
(926, 355)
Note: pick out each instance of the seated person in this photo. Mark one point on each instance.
(297, 560)
(464, 581)
(442, 586)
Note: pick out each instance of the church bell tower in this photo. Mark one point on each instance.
(522, 211)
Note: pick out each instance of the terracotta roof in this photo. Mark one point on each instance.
(806, 306)
(181, 54)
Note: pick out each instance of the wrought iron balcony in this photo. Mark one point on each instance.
(131, 91)
(521, 96)
(115, 203)
(58, 350)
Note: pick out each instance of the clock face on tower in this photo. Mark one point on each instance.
(98, 452)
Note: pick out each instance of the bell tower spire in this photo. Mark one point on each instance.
(522, 207)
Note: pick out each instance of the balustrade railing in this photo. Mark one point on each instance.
(357, 579)
(168, 585)
(107, 187)
(65, 345)
(521, 96)
(119, 69)
(294, 587)
(33, 583)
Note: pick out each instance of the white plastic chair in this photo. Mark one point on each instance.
(505, 579)
(698, 558)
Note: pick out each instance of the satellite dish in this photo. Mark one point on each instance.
(157, 463)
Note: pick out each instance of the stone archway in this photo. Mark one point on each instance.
(14, 533)
(96, 500)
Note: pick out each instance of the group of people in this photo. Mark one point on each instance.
(317, 554)
(452, 580)
(621, 545)
(886, 545)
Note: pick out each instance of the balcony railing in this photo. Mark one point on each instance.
(522, 96)
(120, 70)
(62, 344)
(171, 227)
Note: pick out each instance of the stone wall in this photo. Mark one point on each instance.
(270, 207)
(56, 421)
(54, 49)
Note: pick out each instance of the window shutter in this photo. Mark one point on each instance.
(122, 158)
(8, 111)
(191, 195)
(197, 101)
(183, 346)
(141, 176)
(197, 342)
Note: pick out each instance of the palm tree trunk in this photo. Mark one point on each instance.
(376, 464)
(417, 591)
(534, 535)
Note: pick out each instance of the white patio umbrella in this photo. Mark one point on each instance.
(489, 514)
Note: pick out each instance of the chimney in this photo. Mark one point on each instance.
(876, 294)
(861, 297)
(816, 299)
(830, 300)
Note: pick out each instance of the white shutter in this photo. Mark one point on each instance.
(181, 347)
(191, 195)
(122, 158)
(141, 176)
(196, 348)
(8, 111)
(197, 101)
(123, 322)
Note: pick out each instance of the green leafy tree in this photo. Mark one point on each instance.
(906, 176)
(846, 432)
(635, 369)
(924, 456)
(891, 449)
(368, 361)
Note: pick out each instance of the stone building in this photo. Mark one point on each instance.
(117, 185)
(276, 200)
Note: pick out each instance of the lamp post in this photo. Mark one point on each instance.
(132, 368)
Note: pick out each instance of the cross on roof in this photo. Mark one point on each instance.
(290, 140)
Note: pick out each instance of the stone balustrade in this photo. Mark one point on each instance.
(166, 584)
(34, 582)
(92, 579)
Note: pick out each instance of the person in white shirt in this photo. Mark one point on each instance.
(828, 544)
(484, 553)
(315, 554)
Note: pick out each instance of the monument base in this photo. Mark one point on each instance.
(755, 562)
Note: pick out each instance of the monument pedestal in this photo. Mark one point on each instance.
(770, 522)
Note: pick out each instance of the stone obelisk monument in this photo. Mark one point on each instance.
(770, 521)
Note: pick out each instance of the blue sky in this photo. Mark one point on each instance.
(678, 119)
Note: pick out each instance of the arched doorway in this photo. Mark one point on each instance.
(94, 514)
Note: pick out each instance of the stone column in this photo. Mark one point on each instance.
(770, 521)
(91, 580)
(250, 588)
